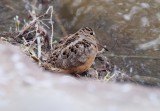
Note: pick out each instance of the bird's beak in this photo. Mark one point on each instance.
(102, 46)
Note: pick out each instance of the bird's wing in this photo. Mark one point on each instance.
(73, 56)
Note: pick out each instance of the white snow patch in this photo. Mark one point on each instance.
(2, 93)
(145, 5)
(131, 69)
(15, 58)
(1, 71)
(158, 16)
(145, 22)
(67, 79)
(30, 80)
(148, 45)
(4, 78)
(133, 11)
(153, 97)
(112, 108)
(2, 48)
(20, 66)
(45, 83)
(126, 88)
(91, 88)
(4, 103)
(127, 17)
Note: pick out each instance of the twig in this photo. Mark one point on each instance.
(33, 22)
(38, 41)
(51, 22)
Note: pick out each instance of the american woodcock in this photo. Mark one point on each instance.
(74, 53)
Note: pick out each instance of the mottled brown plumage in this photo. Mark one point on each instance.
(74, 53)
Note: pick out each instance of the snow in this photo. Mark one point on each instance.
(67, 79)
(133, 11)
(20, 66)
(91, 88)
(145, 5)
(153, 97)
(126, 88)
(145, 22)
(16, 57)
(112, 108)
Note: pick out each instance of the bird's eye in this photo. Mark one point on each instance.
(64, 53)
(91, 33)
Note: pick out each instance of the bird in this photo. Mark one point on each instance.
(75, 53)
